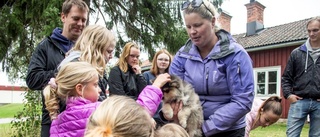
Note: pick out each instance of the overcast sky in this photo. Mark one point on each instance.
(277, 12)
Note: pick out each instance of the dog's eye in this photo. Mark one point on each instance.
(166, 90)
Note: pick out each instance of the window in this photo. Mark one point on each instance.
(267, 81)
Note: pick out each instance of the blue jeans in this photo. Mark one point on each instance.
(297, 116)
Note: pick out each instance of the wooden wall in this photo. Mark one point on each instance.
(273, 57)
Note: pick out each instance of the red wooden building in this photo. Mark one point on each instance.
(269, 49)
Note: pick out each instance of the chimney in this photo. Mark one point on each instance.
(254, 17)
(225, 20)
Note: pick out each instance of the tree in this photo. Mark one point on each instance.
(151, 23)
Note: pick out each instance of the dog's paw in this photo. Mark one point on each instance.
(168, 115)
(183, 123)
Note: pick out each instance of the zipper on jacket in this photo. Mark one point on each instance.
(239, 72)
(207, 76)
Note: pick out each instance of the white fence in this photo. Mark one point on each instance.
(11, 94)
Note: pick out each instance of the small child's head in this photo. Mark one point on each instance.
(171, 130)
(96, 44)
(119, 116)
(74, 79)
(270, 111)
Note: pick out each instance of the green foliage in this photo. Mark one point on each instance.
(9, 110)
(28, 121)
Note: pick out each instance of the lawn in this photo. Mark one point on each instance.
(5, 130)
(276, 130)
(9, 110)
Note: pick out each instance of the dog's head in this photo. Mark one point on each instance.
(172, 91)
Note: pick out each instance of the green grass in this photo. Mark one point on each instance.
(5, 130)
(9, 110)
(276, 130)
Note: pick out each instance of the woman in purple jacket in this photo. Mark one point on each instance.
(77, 84)
(219, 69)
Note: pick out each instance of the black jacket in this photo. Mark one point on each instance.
(44, 61)
(299, 78)
(128, 83)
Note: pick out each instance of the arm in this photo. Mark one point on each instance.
(287, 78)
(151, 96)
(239, 74)
(38, 73)
(115, 82)
(141, 82)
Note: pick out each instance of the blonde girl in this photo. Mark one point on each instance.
(77, 85)
(126, 78)
(95, 46)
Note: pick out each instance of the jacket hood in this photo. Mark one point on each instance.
(65, 44)
(222, 48)
(73, 55)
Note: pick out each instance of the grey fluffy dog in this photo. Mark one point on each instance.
(191, 115)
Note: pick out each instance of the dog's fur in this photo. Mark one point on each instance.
(191, 115)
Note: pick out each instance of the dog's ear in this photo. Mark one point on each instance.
(174, 84)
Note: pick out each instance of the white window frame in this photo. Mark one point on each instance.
(266, 70)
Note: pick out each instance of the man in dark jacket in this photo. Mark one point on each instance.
(51, 51)
(301, 83)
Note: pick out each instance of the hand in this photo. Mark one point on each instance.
(161, 80)
(293, 98)
(176, 106)
(136, 69)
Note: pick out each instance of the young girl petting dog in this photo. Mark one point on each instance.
(120, 116)
(263, 113)
(77, 85)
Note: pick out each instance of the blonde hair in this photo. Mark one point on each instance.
(67, 5)
(122, 62)
(119, 116)
(206, 11)
(171, 130)
(67, 78)
(154, 68)
(93, 43)
(317, 18)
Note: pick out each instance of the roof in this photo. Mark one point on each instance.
(284, 33)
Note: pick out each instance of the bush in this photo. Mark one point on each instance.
(28, 121)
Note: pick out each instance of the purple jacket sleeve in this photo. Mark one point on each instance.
(150, 98)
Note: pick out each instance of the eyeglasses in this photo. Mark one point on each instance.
(195, 4)
(162, 59)
(134, 56)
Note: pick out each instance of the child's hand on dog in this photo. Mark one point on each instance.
(176, 107)
(161, 80)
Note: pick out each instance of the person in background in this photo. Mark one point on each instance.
(95, 46)
(77, 85)
(219, 69)
(160, 64)
(263, 113)
(301, 83)
(126, 78)
(51, 51)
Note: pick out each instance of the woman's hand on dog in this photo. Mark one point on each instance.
(176, 107)
(161, 80)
